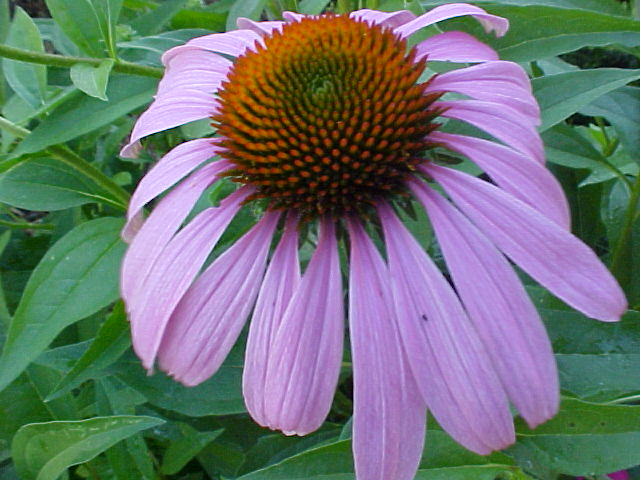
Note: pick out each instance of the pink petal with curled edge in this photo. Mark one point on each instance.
(489, 22)
(387, 19)
(161, 226)
(172, 274)
(504, 123)
(192, 68)
(522, 177)
(457, 47)
(499, 82)
(233, 43)
(389, 413)
(551, 255)
(293, 16)
(307, 349)
(170, 111)
(171, 168)
(261, 28)
(504, 316)
(207, 321)
(450, 365)
(280, 281)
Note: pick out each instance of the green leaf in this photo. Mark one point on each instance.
(92, 80)
(78, 20)
(542, 31)
(82, 114)
(111, 341)
(313, 7)
(77, 277)
(245, 8)
(563, 94)
(43, 451)
(622, 108)
(45, 184)
(220, 395)
(182, 450)
(153, 21)
(107, 13)
(29, 81)
(583, 439)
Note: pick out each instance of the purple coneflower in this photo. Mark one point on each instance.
(331, 121)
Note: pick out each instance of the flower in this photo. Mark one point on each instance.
(329, 121)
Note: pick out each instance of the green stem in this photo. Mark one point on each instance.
(120, 196)
(26, 225)
(120, 66)
(630, 218)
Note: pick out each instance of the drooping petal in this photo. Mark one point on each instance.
(522, 177)
(450, 365)
(551, 255)
(279, 284)
(504, 83)
(233, 43)
(161, 226)
(307, 350)
(171, 168)
(504, 123)
(457, 47)
(207, 321)
(192, 68)
(389, 412)
(387, 19)
(261, 28)
(504, 316)
(489, 22)
(172, 273)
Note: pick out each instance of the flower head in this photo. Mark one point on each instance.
(333, 122)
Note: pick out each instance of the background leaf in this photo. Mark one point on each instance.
(78, 20)
(92, 80)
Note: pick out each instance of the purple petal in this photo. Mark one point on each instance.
(504, 316)
(291, 17)
(455, 47)
(192, 68)
(452, 369)
(389, 412)
(207, 321)
(280, 281)
(233, 43)
(551, 255)
(170, 111)
(522, 177)
(503, 83)
(489, 22)
(161, 226)
(502, 122)
(171, 168)
(261, 28)
(307, 349)
(172, 273)
(387, 19)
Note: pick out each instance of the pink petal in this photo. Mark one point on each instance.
(161, 226)
(522, 177)
(451, 367)
(489, 22)
(192, 68)
(551, 255)
(455, 47)
(207, 321)
(387, 19)
(172, 273)
(233, 43)
(504, 123)
(291, 17)
(389, 413)
(621, 475)
(170, 111)
(261, 28)
(504, 316)
(279, 284)
(307, 350)
(504, 83)
(171, 168)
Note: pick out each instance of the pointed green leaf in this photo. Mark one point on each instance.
(92, 80)
(78, 20)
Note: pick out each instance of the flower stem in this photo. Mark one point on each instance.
(120, 66)
(120, 196)
(630, 218)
